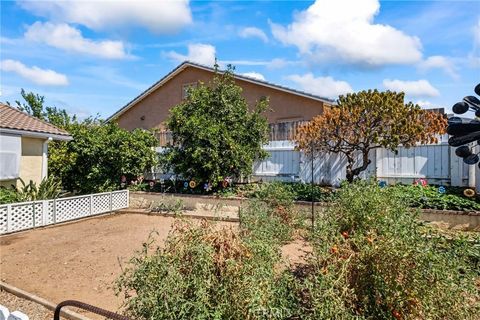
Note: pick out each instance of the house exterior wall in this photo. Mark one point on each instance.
(31, 160)
(155, 107)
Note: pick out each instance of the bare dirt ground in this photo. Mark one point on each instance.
(81, 260)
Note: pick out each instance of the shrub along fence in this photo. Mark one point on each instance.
(32, 214)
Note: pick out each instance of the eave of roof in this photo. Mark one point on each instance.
(186, 64)
(36, 134)
(14, 121)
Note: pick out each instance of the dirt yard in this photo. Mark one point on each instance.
(81, 260)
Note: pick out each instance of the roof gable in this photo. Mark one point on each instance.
(186, 64)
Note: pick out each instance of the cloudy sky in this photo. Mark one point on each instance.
(95, 56)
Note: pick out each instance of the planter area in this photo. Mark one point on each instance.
(225, 207)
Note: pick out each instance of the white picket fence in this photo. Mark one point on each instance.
(27, 215)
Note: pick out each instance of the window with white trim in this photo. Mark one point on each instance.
(186, 87)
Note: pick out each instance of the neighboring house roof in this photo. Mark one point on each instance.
(186, 64)
(15, 121)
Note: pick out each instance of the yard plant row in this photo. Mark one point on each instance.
(415, 196)
(370, 259)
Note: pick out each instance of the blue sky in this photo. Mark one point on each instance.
(94, 57)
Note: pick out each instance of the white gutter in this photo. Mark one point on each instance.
(34, 134)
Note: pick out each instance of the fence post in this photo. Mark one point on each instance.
(128, 198)
(456, 169)
(9, 217)
(111, 193)
(54, 210)
(91, 205)
(44, 212)
(33, 211)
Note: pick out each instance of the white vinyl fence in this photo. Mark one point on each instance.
(435, 162)
(26, 215)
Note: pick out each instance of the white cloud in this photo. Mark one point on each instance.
(197, 52)
(439, 62)
(35, 74)
(344, 31)
(63, 36)
(254, 75)
(322, 86)
(425, 104)
(157, 16)
(418, 88)
(250, 32)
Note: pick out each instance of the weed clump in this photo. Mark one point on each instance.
(373, 259)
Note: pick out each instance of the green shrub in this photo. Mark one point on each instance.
(299, 191)
(372, 260)
(8, 196)
(259, 221)
(169, 206)
(272, 215)
(204, 273)
(49, 188)
(428, 197)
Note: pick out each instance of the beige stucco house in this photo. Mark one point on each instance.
(151, 108)
(24, 146)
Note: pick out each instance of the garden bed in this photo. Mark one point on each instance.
(451, 219)
(81, 260)
(415, 196)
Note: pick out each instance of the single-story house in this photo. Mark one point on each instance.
(151, 108)
(24, 146)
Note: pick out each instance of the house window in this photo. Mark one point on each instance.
(284, 130)
(10, 151)
(186, 87)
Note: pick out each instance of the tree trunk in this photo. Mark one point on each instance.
(351, 173)
(350, 162)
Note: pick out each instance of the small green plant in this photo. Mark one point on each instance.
(49, 188)
(428, 197)
(169, 206)
(271, 215)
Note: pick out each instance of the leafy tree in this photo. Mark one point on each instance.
(215, 135)
(35, 105)
(100, 153)
(366, 120)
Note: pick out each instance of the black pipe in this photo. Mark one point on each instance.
(88, 307)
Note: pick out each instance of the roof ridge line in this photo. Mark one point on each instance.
(198, 65)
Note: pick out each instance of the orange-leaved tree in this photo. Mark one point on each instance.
(363, 121)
